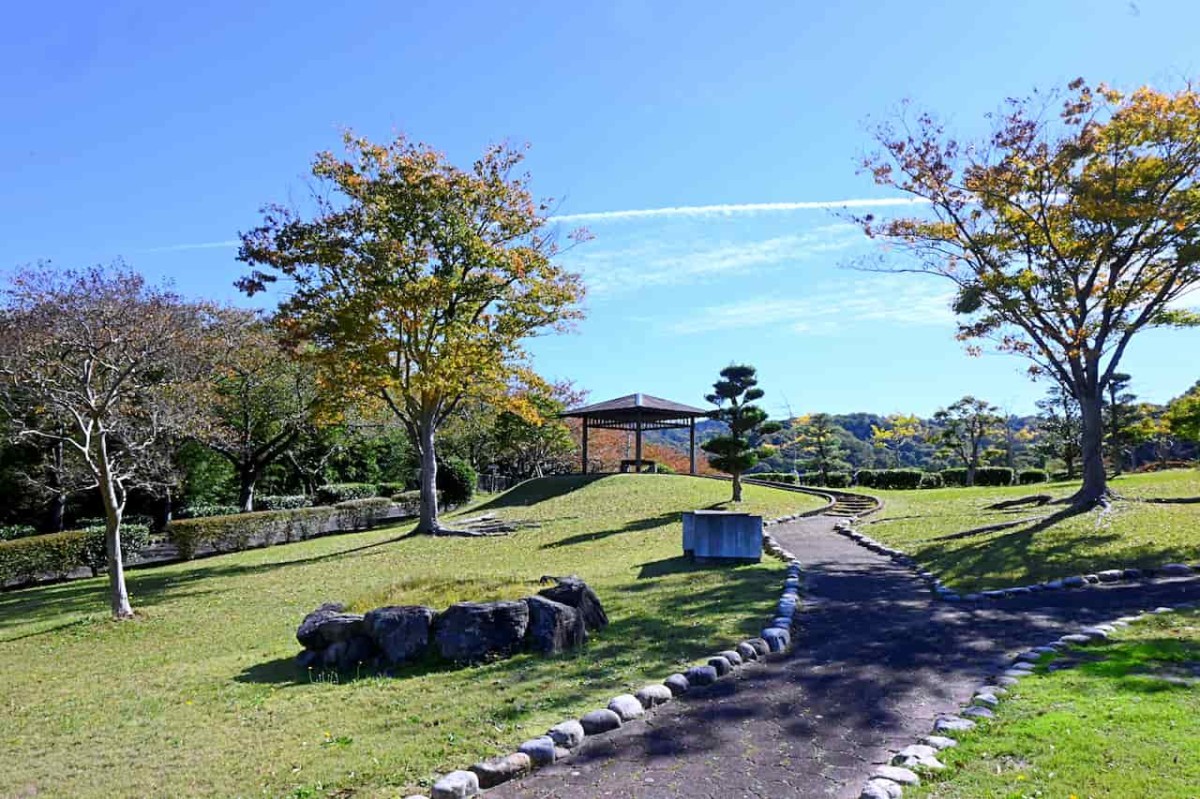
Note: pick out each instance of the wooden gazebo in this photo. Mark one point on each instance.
(639, 412)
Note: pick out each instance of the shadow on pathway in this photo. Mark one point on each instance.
(875, 660)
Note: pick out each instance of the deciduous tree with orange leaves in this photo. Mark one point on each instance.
(415, 281)
(1072, 228)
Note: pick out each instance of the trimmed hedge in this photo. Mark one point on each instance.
(791, 478)
(9, 532)
(931, 480)
(201, 511)
(1032, 476)
(56, 555)
(991, 476)
(837, 480)
(896, 479)
(282, 502)
(264, 528)
(392, 489)
(334, 493)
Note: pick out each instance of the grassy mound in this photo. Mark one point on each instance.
(936, 528)
(1121, 722)
(200, 696)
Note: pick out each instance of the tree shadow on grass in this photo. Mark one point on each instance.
(531, 492)
(635, 526)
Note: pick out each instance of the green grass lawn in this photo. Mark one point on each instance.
(1123, 722)
(925, 523)
(200, 696)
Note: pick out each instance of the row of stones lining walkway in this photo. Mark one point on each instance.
(875, 660)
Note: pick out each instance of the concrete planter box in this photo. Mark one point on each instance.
(722, 535)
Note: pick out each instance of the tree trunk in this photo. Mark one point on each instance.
(737, 487)
(1095, 479)
(55, 519)
(971, 467)
(166, 510)
(429, 502)
(118, 593)
(247, 480)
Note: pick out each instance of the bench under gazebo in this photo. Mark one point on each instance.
(639, 412)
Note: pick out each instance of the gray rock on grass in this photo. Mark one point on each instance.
(721, 665)
(456, 785)
(598, 722)
(747, 651)
(677, 684)
(627, 706)
(575, 593)
(939, 742)
(898, 774)
(553, 627)
(651, 695)
(953, 724)
(401, 632)
(881, 789)
(568, 734)
(498, 770)
(701, 675)
(541, 751)
(308, 632)
(733, 657)
(470, 632)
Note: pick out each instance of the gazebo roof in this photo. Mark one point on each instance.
(624, 413)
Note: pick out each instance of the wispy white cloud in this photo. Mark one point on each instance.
(828, 309)
(678, 212)
(692, 211)
(204, 245)
(665, 262)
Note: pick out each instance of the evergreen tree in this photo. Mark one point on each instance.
(740, 449)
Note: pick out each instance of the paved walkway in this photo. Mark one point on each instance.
(875, 660)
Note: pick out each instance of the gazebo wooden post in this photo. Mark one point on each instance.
(637, 446)
(692, 446)
(585, 438)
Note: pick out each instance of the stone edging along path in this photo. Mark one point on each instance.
(888, 782)
(559, 740)
(948, 594)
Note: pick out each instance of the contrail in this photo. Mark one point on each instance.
(654, 213)
(739, 208)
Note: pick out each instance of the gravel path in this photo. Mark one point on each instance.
(875, 660)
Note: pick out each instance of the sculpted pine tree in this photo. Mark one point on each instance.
(113, 365)
(1065, 234)
(415, 281)
(741, 449)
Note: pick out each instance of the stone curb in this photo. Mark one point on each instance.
(947, 594)
(887, 782)
(775, 639)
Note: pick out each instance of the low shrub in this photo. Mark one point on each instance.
(334, 493)
(24, 560)
(663, 468)
(240, 531)
(392, 489)
(984, 476)
(994, 476)
(204, 510)
(837, 480)
(134, 538)
(894, 479)
(791, 478)
(931, 480)
(954, 477)
(282, 502)
(9, 532)
(456, 481)
(1032, 476)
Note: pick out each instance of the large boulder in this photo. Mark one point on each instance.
(401, 632)
(307, 633)
(553, 626)
(575, 593)
(470, 632)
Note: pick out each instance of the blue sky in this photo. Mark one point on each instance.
(154, 132)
